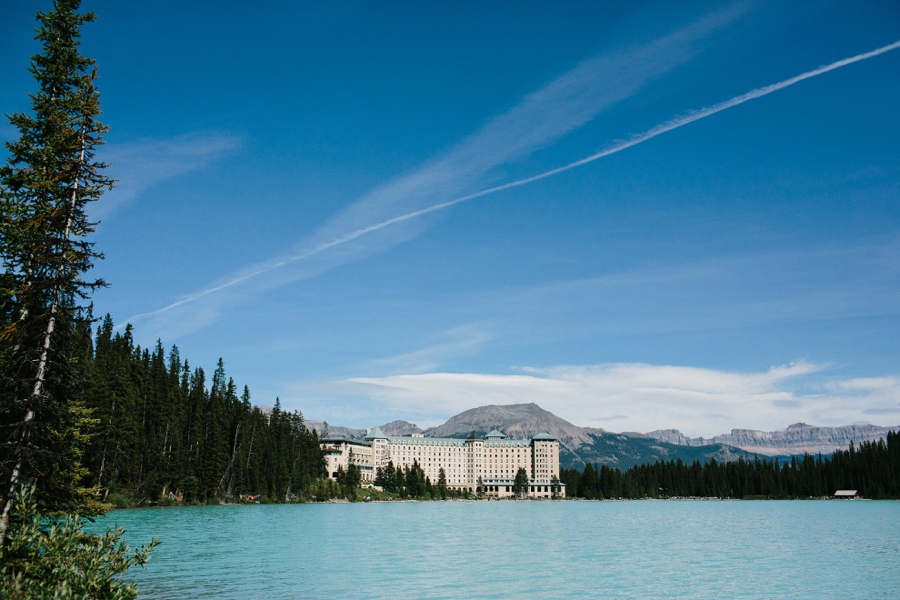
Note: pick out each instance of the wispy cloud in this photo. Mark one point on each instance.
(393, 213)
(142, 164)
(456, 342)
(542, 118)
(635, 396)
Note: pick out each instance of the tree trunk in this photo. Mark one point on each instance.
(234, 454)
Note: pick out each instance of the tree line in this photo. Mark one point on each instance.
(872, 468)
(412, 482)
(166, 430)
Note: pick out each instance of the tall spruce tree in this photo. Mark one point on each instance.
(520, 484)
(50, 177)
(442, 483)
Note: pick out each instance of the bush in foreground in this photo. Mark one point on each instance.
(52, 557)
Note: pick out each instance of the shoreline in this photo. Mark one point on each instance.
(491, 500)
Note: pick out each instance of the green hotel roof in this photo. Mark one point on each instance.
(376, 434)
(343, 440)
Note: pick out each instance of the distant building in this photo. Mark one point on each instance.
(492, 461)
(340, 452)
(846, 494)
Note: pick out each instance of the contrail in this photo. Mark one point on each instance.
(615, 148)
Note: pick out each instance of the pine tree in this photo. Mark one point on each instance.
(386, 478)
(442, 483)
(555, 487)
(520, 484)
(399, 481)
(49, 179)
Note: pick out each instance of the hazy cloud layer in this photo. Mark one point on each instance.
(638, 397)
(142, 164)
(459, 341)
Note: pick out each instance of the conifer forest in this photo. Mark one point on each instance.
(169, 430)
(872, 468)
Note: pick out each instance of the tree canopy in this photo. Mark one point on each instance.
(167, 431)
(49, 178)
(872, 468)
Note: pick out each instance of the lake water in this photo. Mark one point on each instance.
(646, 549)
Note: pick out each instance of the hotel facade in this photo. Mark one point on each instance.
(491, 462)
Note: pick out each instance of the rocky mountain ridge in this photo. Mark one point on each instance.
(325, 430)
(578, 445)
(400, 428)
(392, 428)
(798, 438)
(519, 421)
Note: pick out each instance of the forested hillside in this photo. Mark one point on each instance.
(164, 429)
(873, 469)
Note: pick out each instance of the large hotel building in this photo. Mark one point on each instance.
(492, 461)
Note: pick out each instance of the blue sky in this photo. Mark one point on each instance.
(292, 176)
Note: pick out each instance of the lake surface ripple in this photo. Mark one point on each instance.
(713, 549)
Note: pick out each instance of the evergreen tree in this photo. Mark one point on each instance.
(442, 484)
(350, 479)
(414, 480)
(354, 477)
(555, 487)
(400, 481)
(520, 484)
(49, 179)
(166, 434)
(386, 478)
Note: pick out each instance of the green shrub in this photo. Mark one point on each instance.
(121, 500)
(52, 557)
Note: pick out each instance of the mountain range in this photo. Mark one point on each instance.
(798, 438)
(581, 445)
(578, 445)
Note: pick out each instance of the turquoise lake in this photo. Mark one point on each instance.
(644, 549)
